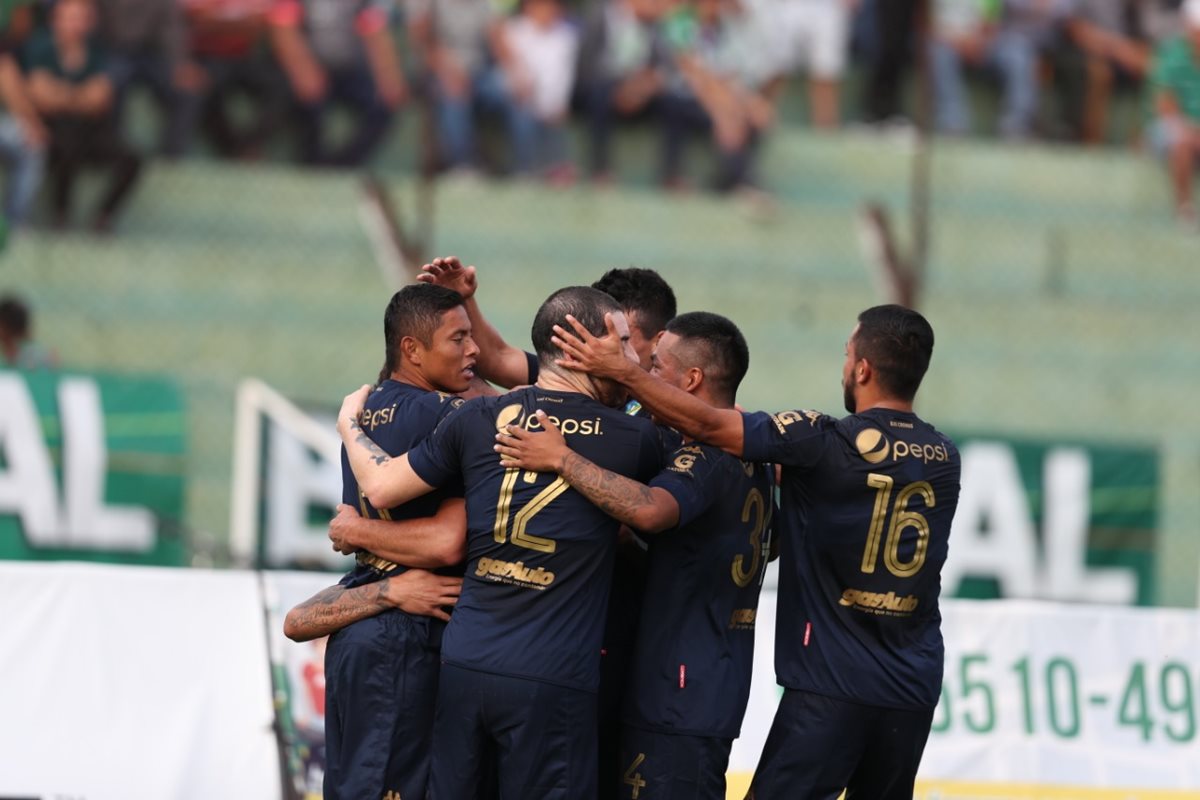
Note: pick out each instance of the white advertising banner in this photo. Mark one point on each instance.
(124, 682)
(129, 683)
(1067, 702)
(1041, 701)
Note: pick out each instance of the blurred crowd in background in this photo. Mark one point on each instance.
(235, 77)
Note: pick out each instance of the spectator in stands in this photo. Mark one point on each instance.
(893, 23)
(967, 33)
(544, 49)
(705, 93)
(70, 88)
(470, 67)
(146, 45)
(622, 64)
(18, 350)
(227, 38)
(1175, 131)
(339, 52)
(23, 137)
(813, 36)
(1111, 45)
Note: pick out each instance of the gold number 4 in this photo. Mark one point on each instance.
(901, 518)
(634, 779)
(526, 513)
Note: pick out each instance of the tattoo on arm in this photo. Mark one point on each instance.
(378, 455)
(615, 495)
(335, 607)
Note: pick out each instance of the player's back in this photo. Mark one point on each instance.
(866, 507)
(539, 555)
(695, 644)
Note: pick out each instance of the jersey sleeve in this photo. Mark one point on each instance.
(532, 361)
(790, 438)
(693, 478)
(436, 459)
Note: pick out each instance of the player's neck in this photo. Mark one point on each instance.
(564, 381)
(413, 378)
(889, 403)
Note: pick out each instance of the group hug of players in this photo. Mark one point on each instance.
(602, 533)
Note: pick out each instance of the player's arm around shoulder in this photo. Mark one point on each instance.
(439, 540)
(644, 508)
(331, 609)
(386, 481)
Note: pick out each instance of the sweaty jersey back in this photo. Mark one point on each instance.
(865, 515)
(539, 554)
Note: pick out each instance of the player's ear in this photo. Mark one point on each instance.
(410, 350)
(862, 371)
(695, 377)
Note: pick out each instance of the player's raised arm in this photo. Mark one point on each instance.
(385, 481)
(426, 542)
(329, 610)
(648, 509)
(604, 357)
(498, 361)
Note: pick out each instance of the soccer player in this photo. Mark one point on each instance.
(867, 502)
(649, 303)
(712, 512)
(521, 654)
(381, 669)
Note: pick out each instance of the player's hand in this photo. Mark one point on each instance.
(424, 593)
(604, 357)
(542, 451)
(352, 407)
(450, 273)
(341, 529)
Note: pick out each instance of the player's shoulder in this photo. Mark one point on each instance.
(803, 419)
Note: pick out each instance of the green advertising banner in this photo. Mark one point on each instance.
(91, 468)
(1070, 522)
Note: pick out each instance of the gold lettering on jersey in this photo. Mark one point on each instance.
(392, 795)
(925, 452)
(508, 415)
(568, 426)
(872, 445)
(895, 423)
(686, 458)
(370, 420)
(785, 418)
(513, 572)
(743, 619)
(878, 603)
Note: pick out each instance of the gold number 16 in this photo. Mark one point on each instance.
(901, 518)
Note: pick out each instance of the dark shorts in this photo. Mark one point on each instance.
(668, 766)
(819, 746)
(381, 677)
(540, 739)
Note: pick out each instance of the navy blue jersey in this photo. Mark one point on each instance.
(865, 519)
(539, 555)
(396, 416)
(695, 645)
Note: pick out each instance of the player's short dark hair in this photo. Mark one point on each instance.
(583, 303)
(14, 316)
(643, 291)
(898, 343)
(718, 347)
(416, 311)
